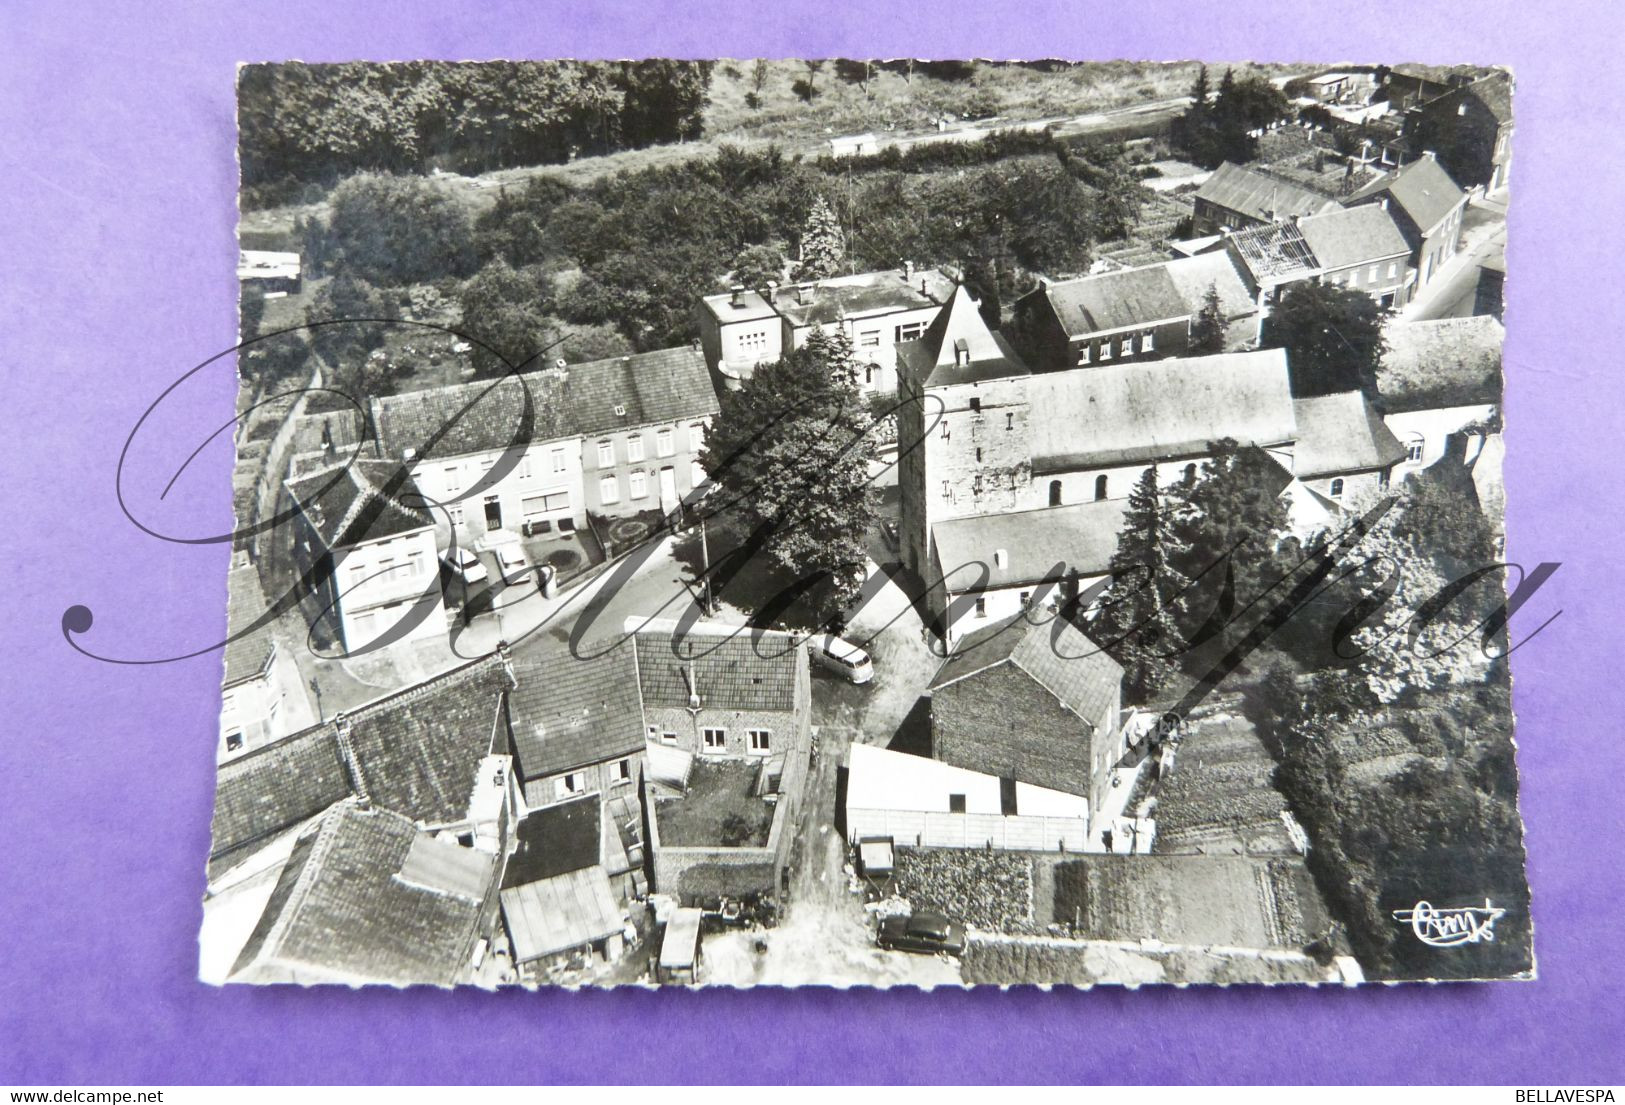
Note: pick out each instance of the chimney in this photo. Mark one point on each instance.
(737, 299)
(908, 272)
(693, 687)
(801, 293)
(352, 767)
(922, 286)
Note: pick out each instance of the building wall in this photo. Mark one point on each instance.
(734, 349)
(544, 486)
(1431, 430)
(1390, 276)
(599, 778)
(969, 830)
(1003, 602)
(379, 584)
(1209, 218)
(1354, 484)
(874, 342)
(1169, 338)
(634, 484)
(1440, 246)
(1000, 722)
(250, 709)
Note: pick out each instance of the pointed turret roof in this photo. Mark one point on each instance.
(958, 347)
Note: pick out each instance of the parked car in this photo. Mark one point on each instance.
(924, 930)
(511, 560)
(466, 563)
(842, 657)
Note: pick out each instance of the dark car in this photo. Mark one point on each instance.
(924, 931)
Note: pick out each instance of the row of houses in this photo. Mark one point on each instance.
(519, 802)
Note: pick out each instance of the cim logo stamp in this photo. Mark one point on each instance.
(1449, 928)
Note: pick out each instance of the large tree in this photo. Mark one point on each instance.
(1207, 331)
(788, 456)
(348, 318)
(507, 309)
(399, 230)
(823, 245)
(1135, 619)
(1333, 339)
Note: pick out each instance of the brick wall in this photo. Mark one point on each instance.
(1000, 722)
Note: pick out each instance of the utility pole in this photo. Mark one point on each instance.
(706, 603)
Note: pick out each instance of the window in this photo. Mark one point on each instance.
(1106, 350)
(869, 339)
(981, 608)
(1351, 278)
(696, 437)
(1100, 488)
(1371, 274)
(668, 736)
(620, 771)
(558, 460)
(634, 447)
(609, 490)
(663, 443)
(524, 466)
(570, 784)
(975, 404)
(1054, 492)
(869, 374)
(455, 513)
(536, 506)
(234, 741)
(910, 330)
(640, 484)
(1414, 447)
(1148, 341)
(454, 480)
(1083, 353)
(606, 454)
(760, 740)
(1026, 597)
(358, 572)
(753, 342)
(1128, 347)
(1337, 489)
(956, 803)
(414, 560)
(652, 732)
(1393, 269)
(714, 740)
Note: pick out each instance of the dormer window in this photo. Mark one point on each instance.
(961, 353)
(620, 410)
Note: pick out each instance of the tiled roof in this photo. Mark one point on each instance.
(1422, 189)
(1118, 414)
(1258, 195)
(556, 840)
(1110, 301)
(747, 670)
(247, 656)
(418, 752)
(1495, 93)
(1448, 362)
(1192, 276)
(1353, 236)
(666, 385)
(934, 357)
(1055, 654)
(1082, 536)
(1341, 433)
(360, 500)
(567, 712)
(341, 913)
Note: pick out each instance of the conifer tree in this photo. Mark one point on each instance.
(1135, 622)
(823, 246)
(1207, 331)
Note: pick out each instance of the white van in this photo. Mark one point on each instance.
(842, 657)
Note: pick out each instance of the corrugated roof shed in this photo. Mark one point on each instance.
(559, 914)
(348, 502)
(1258, 195)
(1341, 433)
(1153, 410)
(666, 385)
(744, 670)
(569, 711)
(342, 913)
(1353, 236)
(1083, 537)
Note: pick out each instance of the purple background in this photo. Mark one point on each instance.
(118, 201)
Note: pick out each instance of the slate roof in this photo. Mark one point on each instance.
(567, 712)
(1341, 433)
(1118, 414)
(749, 670)
(1495, 93)
(1353, 236)
(1422, 189)
(349, 502)
(933, 359)
(249, 656)
(341, 913)
(1082, 536)
(1068, 665)
(418, 751)
(1447, 362)
(666, 385)
(1258, 195)
(1113, 300)
(556, 840)
(1192, 276)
